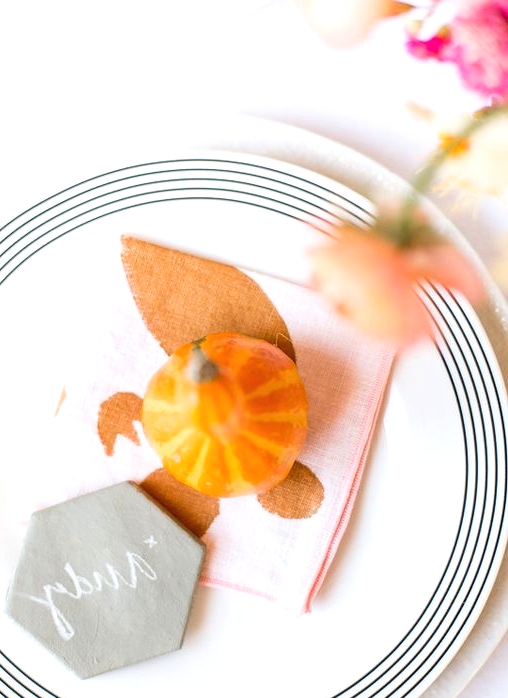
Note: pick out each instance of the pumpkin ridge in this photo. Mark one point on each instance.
(272, 384)
(255, 462)
(234, 465)
(194, 475)
(288, 397)
(169, 447)
(238, 361)
(263, 443)
(158, 404)
(298, 418)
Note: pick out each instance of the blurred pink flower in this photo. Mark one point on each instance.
(480, 46)
(434, 47)
(476, 40)
(371, 282)
(343, 23)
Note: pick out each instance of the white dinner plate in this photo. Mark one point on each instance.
(427, 536)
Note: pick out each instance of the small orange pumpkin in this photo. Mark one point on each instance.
(227, 414)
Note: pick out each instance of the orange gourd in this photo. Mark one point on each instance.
(227, 414)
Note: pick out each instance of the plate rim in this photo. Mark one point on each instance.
(377, 169)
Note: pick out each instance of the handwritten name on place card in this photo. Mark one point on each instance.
(110, 593)
(83, 587)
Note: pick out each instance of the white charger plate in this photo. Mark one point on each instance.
(427, 538)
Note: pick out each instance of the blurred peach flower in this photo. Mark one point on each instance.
(372, 282)
(343, 23)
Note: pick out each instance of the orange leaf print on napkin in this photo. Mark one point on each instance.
(180, 298)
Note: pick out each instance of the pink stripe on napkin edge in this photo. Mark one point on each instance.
(333, 541)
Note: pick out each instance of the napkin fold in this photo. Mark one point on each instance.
(278, 545)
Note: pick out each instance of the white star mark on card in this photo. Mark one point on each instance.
(150, 542)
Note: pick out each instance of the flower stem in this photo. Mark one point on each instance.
(404, 228)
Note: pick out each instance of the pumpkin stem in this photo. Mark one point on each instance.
(200, 368)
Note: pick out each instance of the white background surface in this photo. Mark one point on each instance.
(95, 86)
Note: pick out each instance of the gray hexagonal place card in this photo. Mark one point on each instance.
(106, 580)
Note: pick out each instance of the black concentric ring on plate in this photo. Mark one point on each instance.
(465, 352)
(194, 179)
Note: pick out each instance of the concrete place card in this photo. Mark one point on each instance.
(106, 580)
